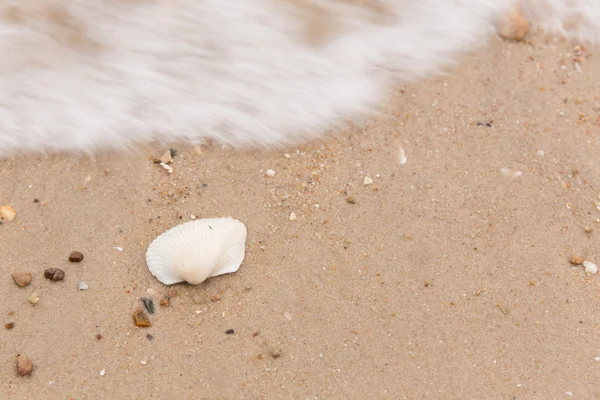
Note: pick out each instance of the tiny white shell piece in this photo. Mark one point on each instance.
(197, 250)
(590, 268)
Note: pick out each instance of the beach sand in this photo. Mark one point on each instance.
(446, 279)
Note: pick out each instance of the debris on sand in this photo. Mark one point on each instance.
(513, 25)
(590, 268)
(8, 213)
(54, 274)
(576, 260)
(22, 279)
(76, 256)
(24, 365)
(141, 319)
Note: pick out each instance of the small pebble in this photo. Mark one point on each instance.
(143, 362)
(351, 200)
(270, 173)
(172, 293)
(293, 217)
(76, 256)
(513, 25)
(590, 268)
(141, 319)
(149, 337)
(148, 304)
(82, 286)
(33, 299)
(22, 279)
(166, 158)
(24, 365)
(167, 167)
(287, 316)
(99, 336)
(576, 260)
(511, 174)
(165, 301)
(103, 372)
(7, 213)
(367, 181)
(597, 358)
(9, 324)
(588, 229)
(54, 274)
(402, 156)
(230, 331)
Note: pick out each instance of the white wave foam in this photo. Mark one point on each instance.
(82, 76)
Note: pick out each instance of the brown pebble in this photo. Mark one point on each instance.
(54, 274)
(275, 354)
(229, 332)
(215, 298)
(24, 365)
(9, 324)
(351, 200)
(513, 25)
(172, 293)
(75, 256)
(22, 279)
(11, 313)
(141, 319)
(166, 158)
(99, 336)
(588, 229)
(165, 301)
(255, 334)
(577, 260)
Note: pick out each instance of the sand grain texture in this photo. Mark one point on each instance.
(444, 279)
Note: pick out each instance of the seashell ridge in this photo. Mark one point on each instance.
(197, 250)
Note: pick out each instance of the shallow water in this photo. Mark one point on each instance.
(81, 77)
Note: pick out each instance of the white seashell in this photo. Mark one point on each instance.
(197, 250)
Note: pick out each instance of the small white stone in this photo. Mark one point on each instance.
(286, 155)
(287, 316)
(597, 358)
(270, 172)
(540, 153)
(511, 174)
(293, 217)
(590, 268)
(103, 372)
(82, 286)
(402, 157)
(367, 181)
(570, 394)
(192, 217)
(119, 248)
(167, 167)
(143, 362)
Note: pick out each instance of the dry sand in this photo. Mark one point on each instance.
(445, 280)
